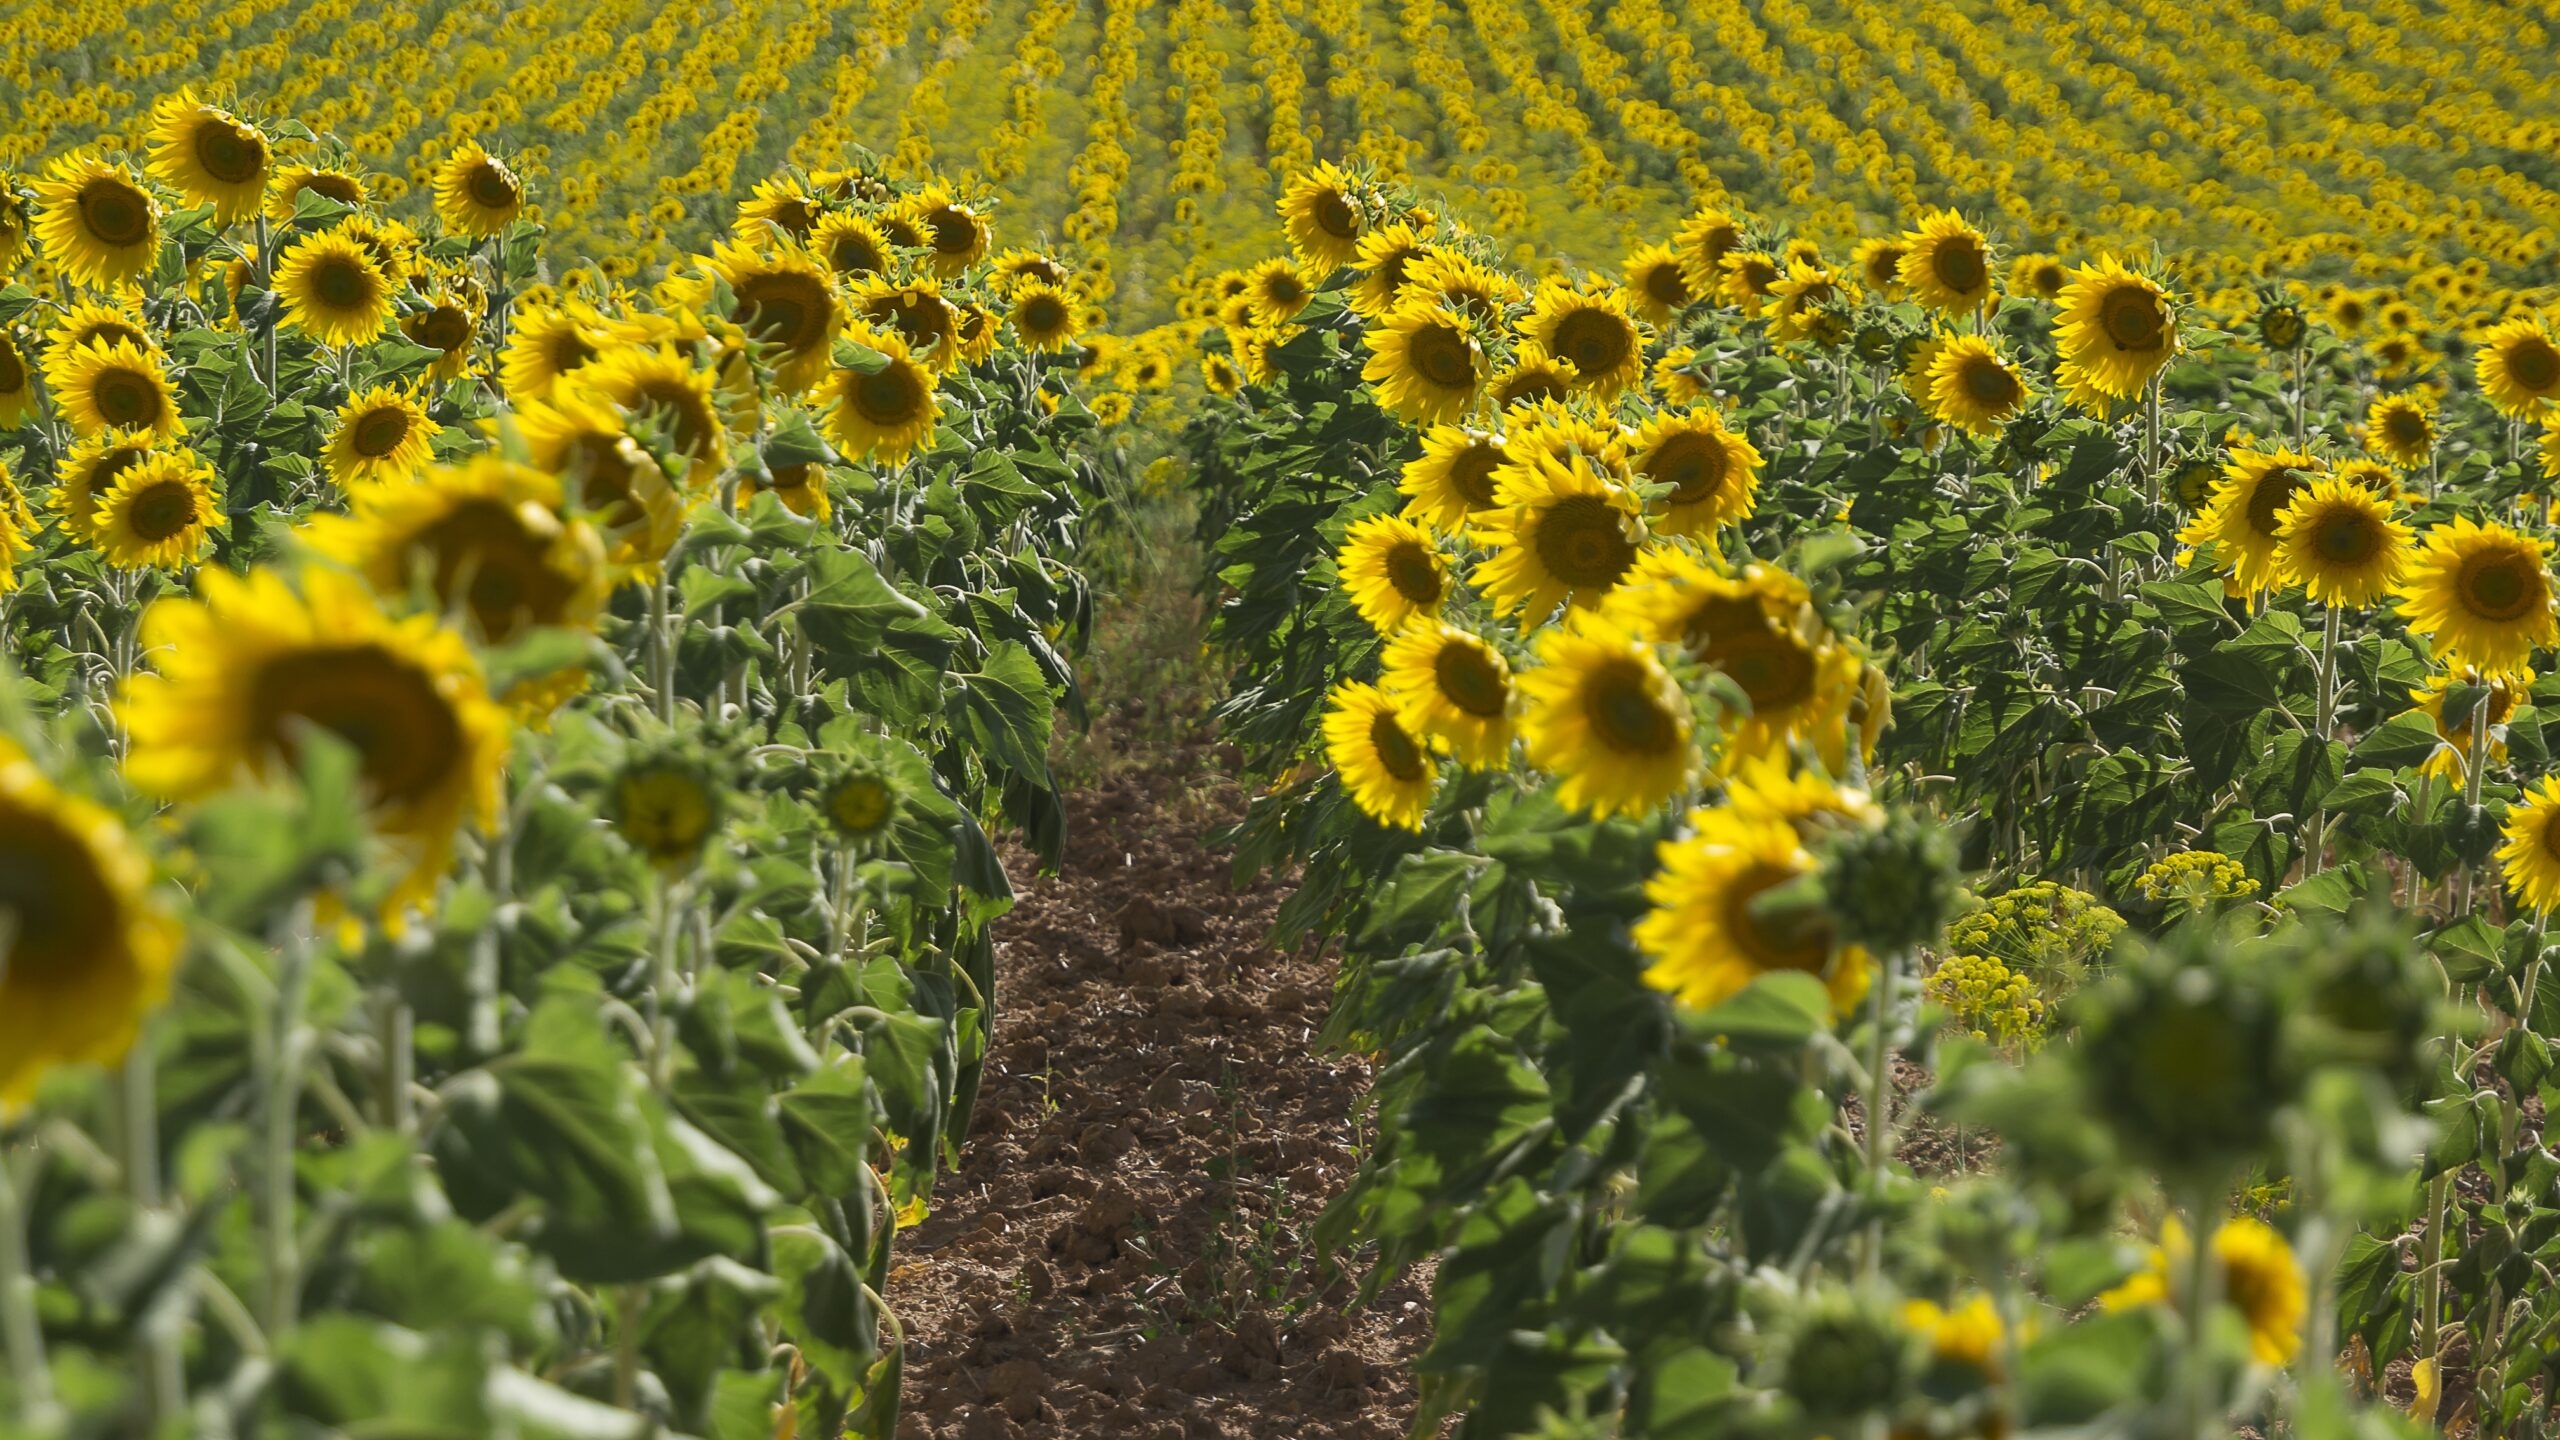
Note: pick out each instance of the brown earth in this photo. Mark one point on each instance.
(1125, 1248)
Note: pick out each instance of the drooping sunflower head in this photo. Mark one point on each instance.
(1426, 363)
(2337, 539)
(382, 434)
(1713, 473)
(1588, 327)
(96, 222)
(1604, 716)
(2482, 595)
(449, 324)
(2401, 428)
(919, 314)
(1392, 570)
(659, 385)
(1561, 532)
(209, 155)
(2282, 326)
(2245, 518)
(159, 513)
(613, 482)
(1707, 938)
(284, 197)
(116, 387)
(2518, 366)
(666, 807)
(1946, 264)
(1878, 263)
(1453, 688)
(332, 290)
(956, 234)
(1533, 378)
(476, 193)
(1322, 212)
(90, 952)
(245, 672)
(2115, 330)
(1973, 386)
(1044, 316)
(488, 541)
(2042, 276)
(783, 300)
(886, 412)
(1656, 284)
(1452, 478)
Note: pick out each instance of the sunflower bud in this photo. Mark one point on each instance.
(1891, 888)
(2183, 1056)
(1845, 1360)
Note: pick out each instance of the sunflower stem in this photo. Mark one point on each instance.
(1879, 1105)
(663, 916)
(164, 1375)
(2299, 397)
(285, 1057)
(2202, 1288)
(19, 1326)
(2317, 859)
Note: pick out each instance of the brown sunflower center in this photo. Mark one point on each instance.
(1596, 341)
(2350, 314)
(229, 151)
(491, 187)
(125, 397)
(114, 213)
(1470, 679)
(406, 736)
(13, 371)
(793, 478)
(902, 231)
(1960, 264)
(1530, 383)
(2533, 364)
(921, 319)
(487, 557)
(104, 333)
(1283, 292)
(2132, 318)
(2405, 427)
(2347, 537)
(2275, 491)
(1414, 571)
(341, 188)
(955, 231)
(1667, 285)
(1335, 216)
(1772, 667)
(1471, 473)
(446, 328)
(612, 480)
(2499, 585)
(342, 282)
(665, 812)
(2550, 827)
(379, 432)
(894, 396)
(1718, 622)
(1582, 540)
(59, 910)
(1042, 315)
(1693, 463)
(1804, 943)
(1397, 754)
(565, 350)
(784, 308)
(1757, 275)
(860, 805)
(162, 511)
(793, 214)
(1990, 384)
(2048, 280)
(1442, 355)
(1626, 712)
(1884, 267)
(855, 253)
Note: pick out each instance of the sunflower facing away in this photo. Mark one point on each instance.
(2401, 429)
(887, 413)
(2114, 331)
(1321, 212)
(96, 223)
(2337, 540)
(116, 387)
(487, 540)
(1452, 688)
(2518, 367)
(1383, 766)
(1656, 285)
(90, 953)
(621, 490)
(1560, 532)
(1604, 717)
(1946, 264)
(1426, 365)
(2243, 519)
(160, 512)
(1973, 387)
(801, 487)
(1703, 935)
(381, 435)
(2452, 756)
(449, 323)
(333, 291)
(1713, 473)
(2481, 594)
(1588, 327)
(210, 156)
(1392, 570)
(476, 193)
(1452, 478)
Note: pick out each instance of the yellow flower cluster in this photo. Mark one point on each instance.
(1990, 1000)
(2194, 878)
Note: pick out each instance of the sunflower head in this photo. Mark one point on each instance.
(2530, 853)
(2282, 327)
(1386, 259)
(1392, 570)
(1561, 532)
(1588, 327)
(1426, 363)
(2401, 428)
(660, 386)
(1605, 717)
(2337, 540)
(333, 290)
(1657, 286)
(1946, 264)
(1747, 279)
(1713, 473)
(116, 387)
(1709, 935)
(784, 204)
(852, 246)
(887, 411)
(956, 234)
(284, 197)
(93, 322)
(1322, 212)
(1973, 386)
(1382, 765)
(159, 513)
(547, 343)
(17, 383)
(2042, 276)
(476, 193)
(612, 480)
(1877, 260)
(1702, 242)
(210, 156)
(666, 807)
(2115, 330)
(488, 541)
(1044, 316)
(95, 221)
(918, 313)
(783, 300)
(382, 434)
(2518, 366)
(1453, 688)
(2482, 594)
(2245, 518)
(1453, 476)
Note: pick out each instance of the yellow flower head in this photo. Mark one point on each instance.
(1044, 316)
(2452, 757)
(332, 290)
(1588, 327)
(785, 302)
(116, 387)
(93, 322)
(2260, 1279)
(2481, 594)
(449, 324)
(1451, 687)
(1713, 473)
(1968, 1335)
(1383, 766)
(1385, 261)
(1606, 719)
(17, 383)
(956, 234)
(2114, 330)
(547, 343)
(1946, 264)
(285, 195)
(917, 311)
(487, 540)
(2518, 366)
(1452, 478)
(1973, 386)
(2042, 276)
(476, 193)
(1533, 378)
(95, 221)
(1760, 631)
(1749, 277)
(887, 413)
(1392, 570)
(1657, 286)
(2245, 518)
(1878, 263)
(1703, 935)
(1426, 364)
(619, 487)
(210, 156)
(1704, 239)
(2531, 855)
(660, 385)
(382, 434)
(2337, 540)
(160, 512)
(1321, 211)
(1561, 532)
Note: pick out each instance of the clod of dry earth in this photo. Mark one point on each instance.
(1124, 1249)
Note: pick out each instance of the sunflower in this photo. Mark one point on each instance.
(2452, 757)
(2372, 475)
(97, 224)
(1560, 533)
(1016, 267)
(89, 471)
(1553, 430)
(90, 952)
(1713, 473)
(104, 387)
(210, 156)
(1113, 408)
(2281, 326)
(665, 807)
(2259, 1278)
(786, 205)
(17, 230)
(980, 332)
(1321, 211)
(957, 235)
(1702, 242)
(1277, 289)
(488, 539)
(2042, 276)
(17, 529)
(2531, 855)
(2518, 367)
(1677, 379)
(1589, 328)
(447, 325)
(1385, 260)
(1426, 364)
(332, 290)
(92, 322)
(2115, 330)
(2481, 594)
(861, 803)
(476, 194)
(382, 434)
(1043, 316)
(621, 490)
(905, 232)
(1219, 374)
(784, 301)
(2550, 442)
(1808, 302)
(1946, 264)
(1973, 386)
(1748, 276)
(1603, 716)
(660, 383)
(919, 314)
(284, 197)
(852, 245)
(801, 487)
(886, 414)
(1382, 765)
(2338, 541)
(1656, 283)
(1452, 478)
(2245, 517)
(1706, 938)
(2401, 428)
(2348, 311)
(17, 384)
(1392, 570)
(159, 512)
(1878, 263)
(241, 671)
(1759, 630)
(545, 344)
(1452, 688)
(1453, 281)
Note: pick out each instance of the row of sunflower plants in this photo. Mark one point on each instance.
(495, 786)
(1647, 680)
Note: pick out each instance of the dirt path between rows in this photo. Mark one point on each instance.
(1124, 1250)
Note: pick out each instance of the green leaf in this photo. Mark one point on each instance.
(794, 440)
(2468, 949)
(1780, 1010)
(362, 1376)
(1009, 709)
